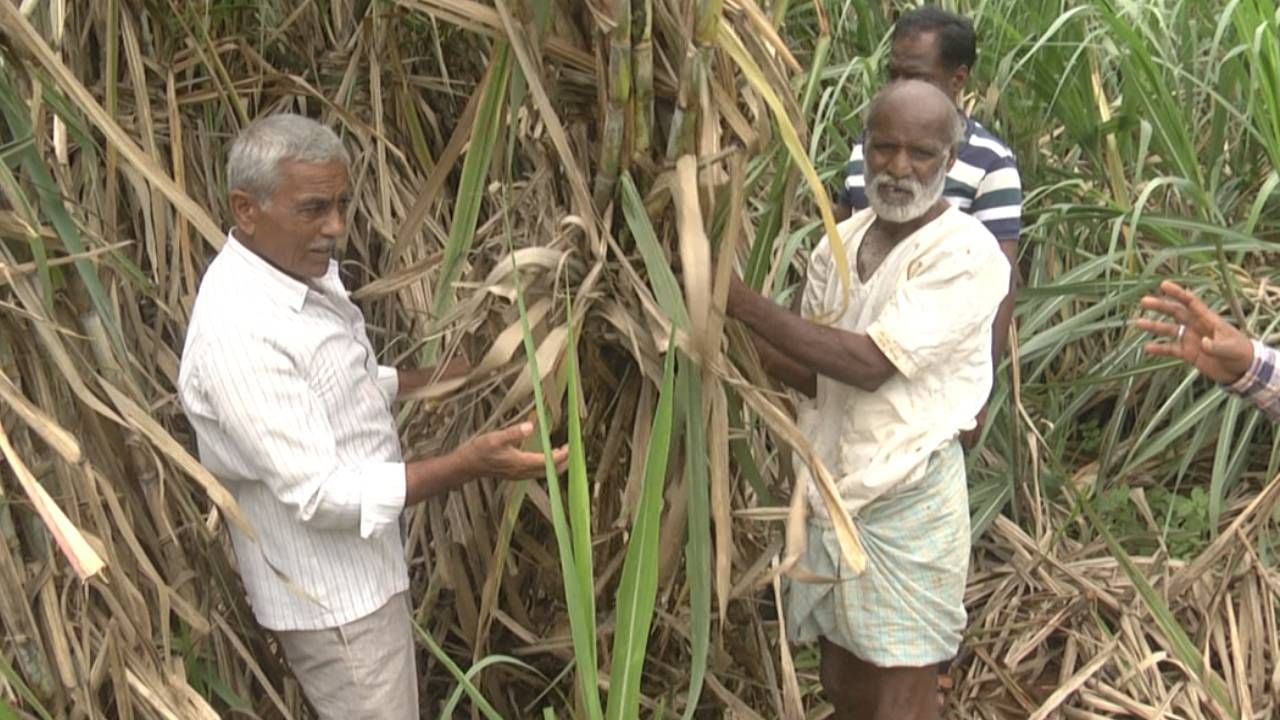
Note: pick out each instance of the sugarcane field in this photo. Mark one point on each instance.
(615, 359)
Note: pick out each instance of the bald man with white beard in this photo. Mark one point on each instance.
(895, 363)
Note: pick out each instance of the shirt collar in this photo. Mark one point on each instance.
(290, 292)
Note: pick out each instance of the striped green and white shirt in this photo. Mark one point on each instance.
(984, 182)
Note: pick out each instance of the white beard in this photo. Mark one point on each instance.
(923, 196)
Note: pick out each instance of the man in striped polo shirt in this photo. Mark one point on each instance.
(940, 47)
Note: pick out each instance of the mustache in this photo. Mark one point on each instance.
(884, 182)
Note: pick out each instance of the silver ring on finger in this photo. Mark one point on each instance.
(1182, 330)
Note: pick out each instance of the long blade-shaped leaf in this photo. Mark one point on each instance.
(639, 585)
(465, 686)
(579, 489)
(666, 289)
(471, 187)
(51, 205)
(791, 139)
(12, 678)
(581, 623)
(464, 680)
(697, 552)
(1179, 642)
(24, 35)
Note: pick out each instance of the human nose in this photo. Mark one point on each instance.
(335, 222)
(899, 165)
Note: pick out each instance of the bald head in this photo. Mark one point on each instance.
(914, 132)
(921, 105)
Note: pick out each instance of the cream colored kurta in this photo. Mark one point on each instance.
(929, 308)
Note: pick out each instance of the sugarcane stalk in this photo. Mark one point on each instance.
(684, 121)
(19, 623)
(642, 71)
(693, 76)
(617, 97)
(708, 24)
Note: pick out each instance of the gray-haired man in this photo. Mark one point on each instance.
(895, 360)
(292, 411)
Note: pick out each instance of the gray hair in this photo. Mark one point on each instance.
(253, 164)
(958, 127)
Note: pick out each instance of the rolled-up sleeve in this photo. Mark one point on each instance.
(389, 381)
(1261, 383)
(942, 303)
(274, 429)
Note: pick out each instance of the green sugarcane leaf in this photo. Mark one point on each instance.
(579, 487)
(581, 623)
(55, 211)
(638, 588)
(666, 289)
(697, 553)
(1179, 642)
(464, 680)
(471, 191)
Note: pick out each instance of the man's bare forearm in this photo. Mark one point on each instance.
(411, 379)
(432, 477)
(784, 369)
(843, 356)
(1000, 330)
(1004, 314)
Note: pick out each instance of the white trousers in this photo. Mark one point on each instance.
(363, 670)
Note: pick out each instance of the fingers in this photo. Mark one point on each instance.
(1183, 304)
(1169, 287)
(1197, 310)
(1200, 319)
(1166, 306)
(559, 458)
(1170, 330)
(1162, 349)
(530, 460)
(1156, 327)
(1183, 295)
(559, 455)
(516, 434)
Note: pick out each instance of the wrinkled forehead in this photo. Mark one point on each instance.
(309, 178)
(911, 118)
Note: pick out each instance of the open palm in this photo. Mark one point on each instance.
(1199, 336)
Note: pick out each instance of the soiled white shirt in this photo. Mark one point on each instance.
(292, 412)
(929, 308)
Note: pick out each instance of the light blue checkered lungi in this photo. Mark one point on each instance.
(907, 608)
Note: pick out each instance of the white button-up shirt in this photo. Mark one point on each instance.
(929, 308)
(293, 413)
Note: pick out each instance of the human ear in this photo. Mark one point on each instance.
(244, 210)
(959, 77)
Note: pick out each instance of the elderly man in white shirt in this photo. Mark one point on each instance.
(897, 363)
(292, 411)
